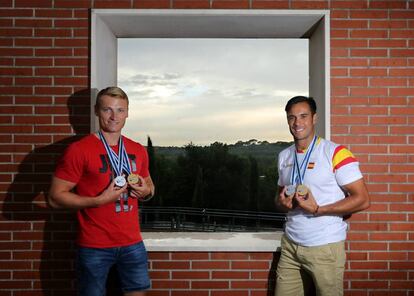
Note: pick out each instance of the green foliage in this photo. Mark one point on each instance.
(242, 176)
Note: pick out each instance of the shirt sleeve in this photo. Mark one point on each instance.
(70, 165)
(345, 166)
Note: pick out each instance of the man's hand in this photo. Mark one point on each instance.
(285, 203)
(307, 202)
(142, 188)
(111, 194)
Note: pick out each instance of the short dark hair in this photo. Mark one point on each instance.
(299, 99)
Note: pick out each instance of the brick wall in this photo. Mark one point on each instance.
(44, 97)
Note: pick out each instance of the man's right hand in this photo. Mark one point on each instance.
(111, 194)
(284, 202)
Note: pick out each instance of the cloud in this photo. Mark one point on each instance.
(199, 90)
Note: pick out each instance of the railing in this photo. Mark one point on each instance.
(208, 220)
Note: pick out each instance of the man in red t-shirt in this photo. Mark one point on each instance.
(91, 178)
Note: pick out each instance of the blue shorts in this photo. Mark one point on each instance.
(93, 266)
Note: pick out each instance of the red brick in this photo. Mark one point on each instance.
(71, 81)
(59, 61)
(401, 14)
(152, 4)
(108, 4)
(33, 81)
(16, 52)
(191, 4)
(349, 24)
(338, 72)
(16, 12)
(229, 293)
(73, 42)
(166, 284)
(402, 227)
(403, 110)
(187, 293)
(368, 91)
(349, 43)
(369, 52)
(73, 23)
(402, 53)
(387, 179)
(52, 32)
(53, 52)
(33, 3)
(369, 33)
(387, 24)
(212, 284)
(213, 265)
(251, 265)
(369, 265)
(230, 274)
(355, 274)
(33, 23)
(53, 13)
(388, 4)
(13, 32)
(339, 34)
(368, 14)
(53, 90)
(191, 274)
(350, 4)
(369, 129)
(306, 4)
(230, 4)
(388, 82)
(369, 72)
(270, 4)
(369, 285)
(33, 42)
(170, 265)
(389, 62)
(402, 72)
(189, 256)
(72, 4)
(229, 256)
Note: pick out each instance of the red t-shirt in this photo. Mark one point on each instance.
(86, 163)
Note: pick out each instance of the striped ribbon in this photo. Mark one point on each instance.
(298, 172)
(120, 161)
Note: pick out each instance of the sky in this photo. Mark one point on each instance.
(201, 91)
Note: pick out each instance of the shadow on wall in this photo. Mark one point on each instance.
(44, 238)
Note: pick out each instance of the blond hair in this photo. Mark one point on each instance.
(112, 91)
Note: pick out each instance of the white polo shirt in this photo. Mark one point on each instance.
(330, 167)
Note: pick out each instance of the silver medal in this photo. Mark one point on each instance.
(120, 181)
(290, 190)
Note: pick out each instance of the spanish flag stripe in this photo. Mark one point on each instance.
(341, 157)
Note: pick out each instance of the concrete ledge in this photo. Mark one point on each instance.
(212, 241)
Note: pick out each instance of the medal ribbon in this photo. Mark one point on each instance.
(118, 163)
(298, 172)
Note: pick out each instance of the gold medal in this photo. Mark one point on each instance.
(133, 179)
(302, 190)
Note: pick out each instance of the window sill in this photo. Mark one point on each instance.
(212, 242)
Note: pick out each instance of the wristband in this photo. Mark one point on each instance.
(316, 211)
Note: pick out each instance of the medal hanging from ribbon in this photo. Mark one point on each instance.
(119, 163)
(299, 171)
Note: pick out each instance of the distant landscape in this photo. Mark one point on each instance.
(239, 176)
(219, 187)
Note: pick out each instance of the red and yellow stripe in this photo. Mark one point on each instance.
(341, 157)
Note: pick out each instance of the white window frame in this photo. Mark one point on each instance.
(107, 25)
